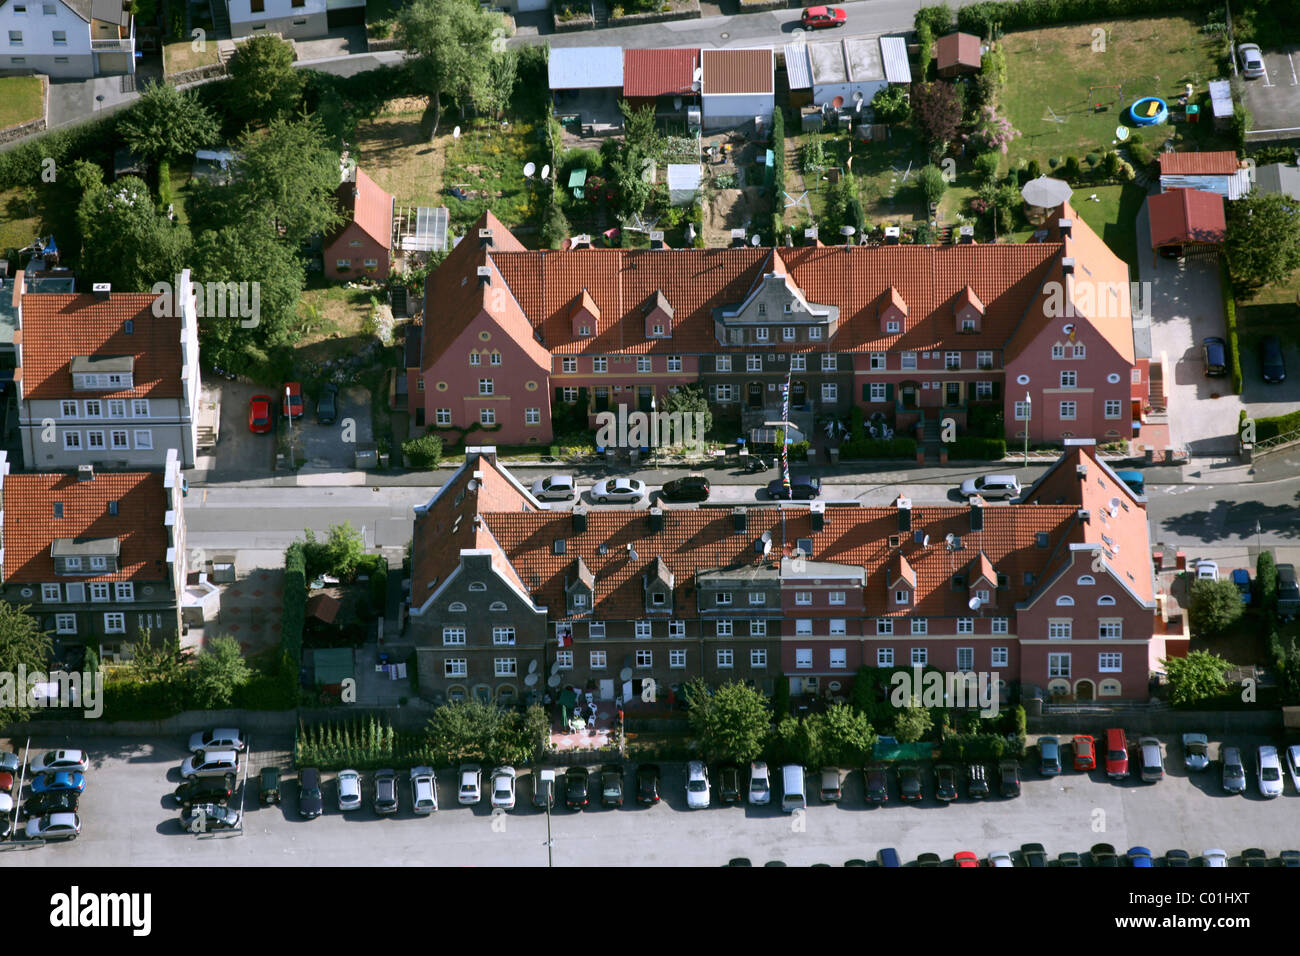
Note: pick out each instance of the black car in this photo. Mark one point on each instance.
(385, 791)
(1289, 858)
(945, 787)
(611, 786)
(977, 784)
(268, 787)
(55, 801)
(877, 784)
(647, 783)
(1069, 860)
(327, 405)
(576, 780)
(1255, 857)
(1178, 858)
(1033, 854)
(729, 784)
(690, 488)
(1215, 352)
(1271, 363)
(1103, 854)
(310, 802)
(802, 488)
(929, 859)
(198, 790)
(209, 817)
(909, 782)
(1009, 778)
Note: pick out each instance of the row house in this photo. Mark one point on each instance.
(1041, 331)
(68, 39)
(1058, 593)
(98, 558)
(109, 379)
(296, 19)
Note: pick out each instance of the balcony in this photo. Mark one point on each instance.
(113, 46)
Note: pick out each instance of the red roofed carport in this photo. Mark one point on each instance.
(1182, 218)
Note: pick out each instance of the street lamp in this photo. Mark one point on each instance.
(289, 409)
(1029, 412)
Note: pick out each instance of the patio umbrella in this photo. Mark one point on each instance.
(1046, 193)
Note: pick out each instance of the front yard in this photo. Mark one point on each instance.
(21, 100)
(179, 57)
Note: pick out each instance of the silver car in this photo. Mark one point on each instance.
(1269, 770)
(503, 788)
(555, 488)
(424, 790)
(1234, 771)
(1293, 766)
(991, 486)
(222, 738)
(55, 760)
(622, 490)
(1252, 61)
(349, 790)
(1196, 751)
(760, 783)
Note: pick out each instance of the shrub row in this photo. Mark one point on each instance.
(294, 615)
(1230, 313)
(979, 18)
(976, 748)
(778, 174)
(23, 165)
(359, 743)
(879, 448)
(1278, 425)
(977, 448)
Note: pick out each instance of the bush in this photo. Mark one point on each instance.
(1110, 164)
(1072, 169)
(981, 18)
(890, 106)
(164, 183)
(925, 40)
(879, 448)
(1142, 154)
(932, 183)
(293, 614)
(1093, 159)
(423, 452)
(94, 141)
(778, 157)
(1034, 170)
(1266, 582)
(986, 165)
(1230, 313)
(976, 448)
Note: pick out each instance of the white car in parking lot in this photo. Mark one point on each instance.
(424, 790)
(1000, 858)
(1252, 61)
(1293, 765)
(555, 488)
(697, 786)
(622, 490)
(471, 784)
(349, 790)
(222, 738)
(55, 760)
(1269, 770)
(503, 788)
(1214, 858)
(1207, 570)
(54, 826)
(760, 784)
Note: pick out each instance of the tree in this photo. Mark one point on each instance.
(498, 83)
(23, 645)
(846, 736)
(164, 662)
(424, 451)
(890, 106)
(1263, 241)
(986, 165)
(912, 724)
(796, 740)
(640, 131)
(731, 723)
(167, 122)
(932, 183)
(626, 169)
(1266, 582)
(466, 730)
(125, 240)
(992, 131)
(1196, 677)
(218, 672)
(691, 400)
(288, 176)
(1214, 606)
(936, 114)
(338, 554)
(452, 43)
(264, 86)
(555, 227)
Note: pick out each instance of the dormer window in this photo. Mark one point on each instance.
(580, 600)
(901, 596)
(585, 316)
(968, 310)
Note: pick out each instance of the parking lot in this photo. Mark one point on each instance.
(1274, 100)
(129, 818)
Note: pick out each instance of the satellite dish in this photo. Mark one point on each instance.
(754, 240)
(837, 102)
(530, 680)
(625, 674)
(974, 603)
(529, 169)
(857, 96)
(532, 666)
(553, 680)
(455, 134)
(1121, 133)
(847, 230)
(949, 539)
(471, 485)
(925, 542)
(546, 171)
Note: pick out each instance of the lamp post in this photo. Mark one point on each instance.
(1029, 413)
(289, 409)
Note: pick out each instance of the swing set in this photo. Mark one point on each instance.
(1100, 105)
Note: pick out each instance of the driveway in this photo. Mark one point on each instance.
(1274, 99)
(240, 453)
(334, 446)
(1186, 307)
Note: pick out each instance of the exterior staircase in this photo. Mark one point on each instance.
(930, 438)
(206, 436)
(599, 14)
(220, 19)
(398, 300)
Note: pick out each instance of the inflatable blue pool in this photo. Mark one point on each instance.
(1149, 111)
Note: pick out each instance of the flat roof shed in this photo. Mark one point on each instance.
(586, 68)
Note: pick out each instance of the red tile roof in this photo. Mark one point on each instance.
(1186, 215)
(957, 49)
(738, 71)
(365, 203)
(30, 526)
(659, 72)
(1222, 163)
(58, 328)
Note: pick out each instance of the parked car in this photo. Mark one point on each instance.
(503, 788)
(802, 488)
(1033, 854)
(1234, 771)
(1103, 854)
(1269, 771)
(760, 784)
(1049, 756)
(424, 790)
(56, 801)
(1207, 570)
(1288, 591)
(1009, 778)
(965, 859)
(611, 786)
(697, 785)
(909, 782)
(1215, 352)
(259, 414)
(1069, 860)
(209, 817)
(1000, 859)
(1215, 858)
(690, 488)
(349, 790)
(1116, 754)
(202, 790)
(990, 487)
(977, 784)
(647, 785)
(327, 408)
(311, 803)
(1289, 858)
(555, 488)
(945, 786)
(1084, 747)
(1252, 61)
(877, 784)
(1254, 856)
(59, 781)
(622, 490)
(1139, 857)
(820, 18)
(60, 760)
(729, 784)
(223, 738)
(1293, 765)
(1272, 365)
(929, 860)
(211, 763)
(292, 404)
(471, 784)
(576, 783)
(1135, 480)
(1241, 578)
(830, 791)
(1153, 763)
(544, 789)
(9, 766)
(1196, 751)
(1178, 858)
(385, 792)
(54, 826)
(268, 787)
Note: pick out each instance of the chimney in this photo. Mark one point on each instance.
(484, 453)
(738, 239)
(579, 520)
(1067, 266)
(485, 239)
(976, 515)
(904, 513)
(484, 276)
(1066, 226)
(1083, 515)
(817, 512)
(740, 517)
(892, 235)
(103, 290)
(85, 472)
(656, 520)
(657, 240)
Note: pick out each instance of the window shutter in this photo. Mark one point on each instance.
(713, 393)
(970, 391)
(559, 396)
(866, 393)
(889, 393)
(997, 389)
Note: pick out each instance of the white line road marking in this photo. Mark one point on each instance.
(1291, 60)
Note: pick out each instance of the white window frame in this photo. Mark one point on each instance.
(72, 441)
(487, 416)
(1114, 408)
(877, 392)
(474, 358)
(724, 392)
(753, 363)
(838, 627)
(643, 363)
(1000, 657)
(674, 363)
(1058, 666)
(123, 591)
(836, 598)
(114, 622)
(143, 438)
(532, 416)
(1001, 625)
(722, 363)
(920, 625)
(99, 592)
(951, 361)
(568, 365)
(757, 657)
(907, 361)
(95, 439)
(830, 362)
(453, 637)
(677, 658)
(676, 628)
(966, 625)
(67, 409)
(758, 628)
(803, 597)
(884, 625)
(598, 660)
(830, 392)
(503, 637)
(803, 658)
(599, 365)
(902, 596)
(814, 333)
(51, 593)
(920, 656)
(722, 599)
(965, 659)
(119, 439)
(505, 666)
(1060, 629)
(596, 629)
(1058, 351)
(1022, 411)
(798, 363)
(1110, 662)
(722, 627)
(455, 667)
(139, 408)
(878, 362)
(1110, 629)
(65, 624)
(761, 333)
(645, 657)
(884, 657)
(839, 658)
(1069, 378)
(1069, 411)
(643, 630)
(564, 660)
(726, 658)
(803, 627)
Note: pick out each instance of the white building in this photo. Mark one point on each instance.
(737, 88)
(295, 19)
(67, 39)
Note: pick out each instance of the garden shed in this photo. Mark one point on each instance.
(957, 54)
(737, 88)
(1185, 219)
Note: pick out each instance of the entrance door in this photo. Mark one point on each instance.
(1083, 690)
(755, 394)
(799, 394)
(909, 396)
(644, 396)
(607, 689)
(602, 398)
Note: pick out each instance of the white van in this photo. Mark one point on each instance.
(792, 787)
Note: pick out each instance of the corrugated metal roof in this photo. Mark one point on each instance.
(659, 72)
(586, 68)
(796, 66)
(737, 71)
(893, 51)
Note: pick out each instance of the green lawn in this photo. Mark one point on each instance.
(1275, 310)
(20, 218)
(179, 57)
(1050, 71)
(21, 100)
(488, 159)
(1112, 217)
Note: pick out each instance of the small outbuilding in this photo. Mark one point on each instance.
(737, 88)
(1215, 172)
(957, 54)
(683, 183)
(1278, 178)
(1186, 219)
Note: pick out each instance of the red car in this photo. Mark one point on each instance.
(965, 858)
(1116, 754)
(1085, 752)
(293, 407)
(259, 414)
(819, 18)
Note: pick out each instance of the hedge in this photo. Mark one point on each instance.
(1230, 313)
(879, 448)
(294, 615)
(975, 447)
(979, 18)
(778, 175)
(23, 165)
(1278, 425)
